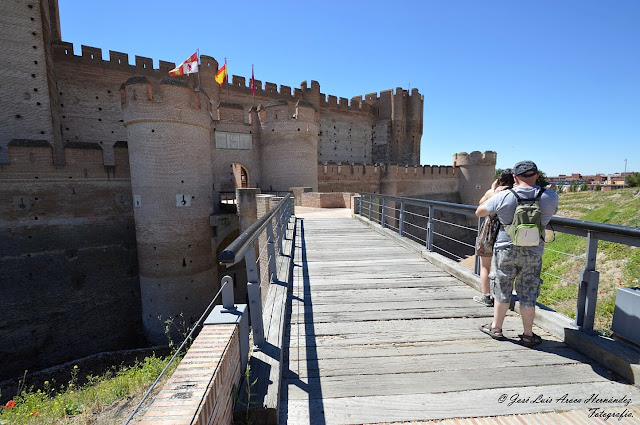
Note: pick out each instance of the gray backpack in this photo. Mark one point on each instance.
(526, 228)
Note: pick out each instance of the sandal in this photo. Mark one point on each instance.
(495, 333)
(530, 340)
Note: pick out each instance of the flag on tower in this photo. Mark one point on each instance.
(252, 84)
(221, 76)
(187, 67)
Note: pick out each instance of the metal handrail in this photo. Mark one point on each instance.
(572, 226)
(234, 252)
(242, 248)
(593, 231)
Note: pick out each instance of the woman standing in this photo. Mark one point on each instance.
(487, 237)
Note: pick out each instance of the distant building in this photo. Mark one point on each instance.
(604, 181)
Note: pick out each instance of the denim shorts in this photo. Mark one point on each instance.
(520, 264)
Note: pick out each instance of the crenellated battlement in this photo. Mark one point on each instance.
(171, 101)
(355, 105)
(488, 158)
(385, 95)
(32, 161)
(409, 172)
(92, 56)
(395, 171)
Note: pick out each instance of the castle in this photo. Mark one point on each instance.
(111, 174)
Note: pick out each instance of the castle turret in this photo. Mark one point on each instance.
(310, 94)
(477, 172)
(208, 70)
(398, 129)
(169, 134)
(415, 111)
(289, 151)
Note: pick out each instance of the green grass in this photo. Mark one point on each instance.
(78, 403)
(618, 264)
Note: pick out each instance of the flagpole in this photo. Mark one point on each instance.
(198, 61)
(227, 68)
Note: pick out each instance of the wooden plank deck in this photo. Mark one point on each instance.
(379, 335)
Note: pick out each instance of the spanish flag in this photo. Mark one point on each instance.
(187, 67)
(221, 76)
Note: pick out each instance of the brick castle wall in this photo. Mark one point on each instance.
(68, 257)
(27, 98)
(62, 123)
(200, 391)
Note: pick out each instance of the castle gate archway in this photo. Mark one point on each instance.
(240, 176)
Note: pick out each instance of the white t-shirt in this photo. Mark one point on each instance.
(504, 204)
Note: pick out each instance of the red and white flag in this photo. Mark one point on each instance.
(187, 67)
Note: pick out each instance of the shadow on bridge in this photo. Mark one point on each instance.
(312, 386)
(378, 334)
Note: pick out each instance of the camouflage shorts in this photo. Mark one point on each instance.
(519, 264)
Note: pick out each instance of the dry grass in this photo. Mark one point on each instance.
(617, 263)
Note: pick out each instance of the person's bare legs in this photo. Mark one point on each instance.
(485, 268)
(499, 313)
(527, 314)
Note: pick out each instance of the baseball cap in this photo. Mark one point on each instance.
(525, 168)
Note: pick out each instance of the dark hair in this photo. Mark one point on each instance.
(506, 178)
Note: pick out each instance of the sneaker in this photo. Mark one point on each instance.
(485, 300)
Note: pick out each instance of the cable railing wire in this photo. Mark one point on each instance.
(453, 240)
(448, 252)
(415, 225)
(592, 231)
(561, 278)
(184, 342)
(417, 238)
(564, 253)
(450, 223)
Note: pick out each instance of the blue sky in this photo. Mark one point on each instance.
(555, 81)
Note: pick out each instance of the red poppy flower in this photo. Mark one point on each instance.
(10, 404)
(618, 278)
(35, 413)
(602, 292)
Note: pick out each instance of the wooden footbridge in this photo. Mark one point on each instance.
(357, 325)
(378, 334)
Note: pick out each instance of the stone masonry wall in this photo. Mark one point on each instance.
(68, 258)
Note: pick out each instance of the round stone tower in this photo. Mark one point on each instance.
(477, 171)
(289, 146)
(169, 138)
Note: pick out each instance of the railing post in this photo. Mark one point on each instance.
(383, 219)
(271, 251)
(476, 267)
(430, 229)
(227, 293)
(401, 224)
(360, 205)
(279, 233)
(255, 296)
(588, 288)
(370, 206)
